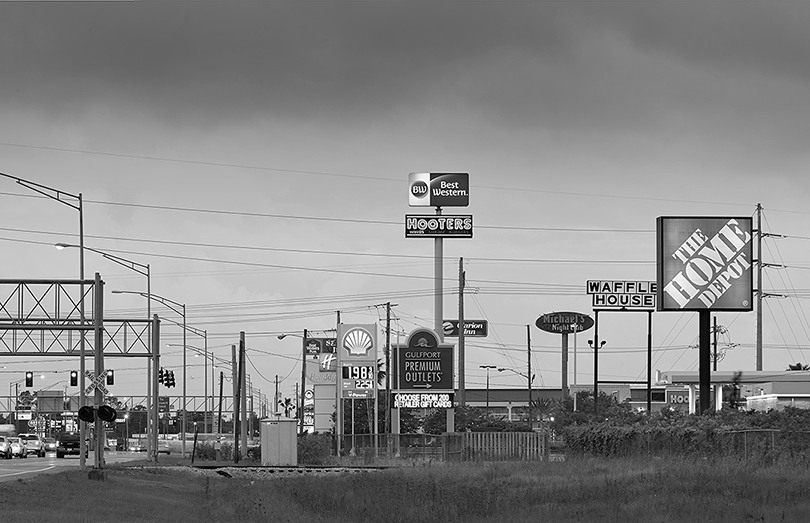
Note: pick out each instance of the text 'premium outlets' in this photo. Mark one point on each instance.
(705, 263)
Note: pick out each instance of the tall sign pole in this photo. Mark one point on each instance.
(439, 190)
(462, 394)
(704, 265)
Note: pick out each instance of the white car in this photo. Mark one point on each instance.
(17, 448)
(33, 444)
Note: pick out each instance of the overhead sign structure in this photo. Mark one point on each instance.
(704, 263)
(424, 364)
(438, 226)
(564, 322)
(472, 328)
(622, 294)
(439, 189)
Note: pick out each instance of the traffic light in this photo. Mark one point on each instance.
(29, 379)
(105, 413)
(74, 378)
(160, 376)
(170, 381)
(110, 377)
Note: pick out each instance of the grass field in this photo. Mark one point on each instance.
(625, 491)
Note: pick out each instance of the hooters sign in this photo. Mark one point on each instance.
(704, 263)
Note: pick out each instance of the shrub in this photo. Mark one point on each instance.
(314, 449)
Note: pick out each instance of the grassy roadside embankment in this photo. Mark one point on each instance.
(617, 490)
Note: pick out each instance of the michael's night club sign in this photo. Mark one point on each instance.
(704, 263)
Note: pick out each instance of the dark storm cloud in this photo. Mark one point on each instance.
(512, 61)
(274, 57)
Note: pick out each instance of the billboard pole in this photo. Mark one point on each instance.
(438, 275)
(705, 359)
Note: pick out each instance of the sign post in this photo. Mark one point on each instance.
(564, 323)
(704, 265)
(629, 296)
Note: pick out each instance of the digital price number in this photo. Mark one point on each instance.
(361, 375)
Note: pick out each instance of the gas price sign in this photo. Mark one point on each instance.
(358, 381)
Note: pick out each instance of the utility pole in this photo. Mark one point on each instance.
(388, 373)
(236, 391)
(462, 395)
(300, 411)
(715, 343)
(759, 287)
(275, 398)
(529, 375)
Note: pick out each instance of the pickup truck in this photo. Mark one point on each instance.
(69, 443)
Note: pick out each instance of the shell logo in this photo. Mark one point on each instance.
(358, 342)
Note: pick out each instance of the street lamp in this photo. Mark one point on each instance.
(596, 345)
(144, 270)
(59, 196)
(177, 308)
(487, 367)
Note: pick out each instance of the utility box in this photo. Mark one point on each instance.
(279, 442)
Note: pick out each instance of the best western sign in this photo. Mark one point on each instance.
(622, 294)
(439, 189)
(704, 263)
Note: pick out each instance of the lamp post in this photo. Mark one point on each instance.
(530, 380)
(144, 270)
(177, 308)
(487, 367)
(59, 196)
(595, 344)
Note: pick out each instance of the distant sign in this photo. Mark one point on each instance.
(622, 294)
(564, 322)
(472, 328)
(421, 400)
(438, 226)
(704, 263)
(424, 363)
(163, 404)
(439, 189)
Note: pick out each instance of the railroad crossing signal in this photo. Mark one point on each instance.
(96, 382)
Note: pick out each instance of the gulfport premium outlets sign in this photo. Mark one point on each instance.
(424, 364)
(704, 263)
(621, 294)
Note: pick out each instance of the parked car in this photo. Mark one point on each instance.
(69, 443)
(163, 447)
(17, 448)
(49, 444)
(33, 444)
(5, 447)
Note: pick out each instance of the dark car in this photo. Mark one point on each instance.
(69, 443)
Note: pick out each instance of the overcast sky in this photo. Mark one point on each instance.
(256, 155)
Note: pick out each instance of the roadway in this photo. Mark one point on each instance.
(18, 468)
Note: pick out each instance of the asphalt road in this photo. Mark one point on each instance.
(11, 469)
